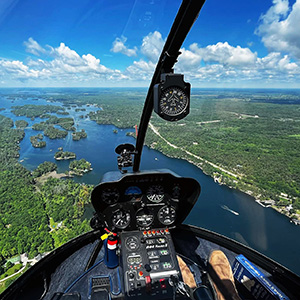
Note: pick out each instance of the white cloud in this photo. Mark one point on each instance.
(219, 64)
(279, 28)
(225, 54)
(225, 64)
(18, 69)
(65, 65)
(119, 47)
(152, 46)
(140, 70)
(34, 47)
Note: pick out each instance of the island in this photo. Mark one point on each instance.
(62, 113)
(34, 111)
(79, 167)
(54, 133)
(21, 124)
(77, 135)
(64, 155)
(65, 123)
(36, 141)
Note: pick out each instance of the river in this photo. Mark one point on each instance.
(219, 208)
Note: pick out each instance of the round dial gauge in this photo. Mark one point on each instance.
(132, 243)
(120, 219)
(166, 215)
(144, 218)
(155, 193)
(110, 196)
(173, 101)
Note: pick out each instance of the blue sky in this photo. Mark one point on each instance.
(93, 43)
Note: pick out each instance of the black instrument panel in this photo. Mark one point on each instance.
(145, 200)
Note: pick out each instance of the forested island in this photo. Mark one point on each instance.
(65, 123)
(21, 124)
(36, 141)
(53, 133)
(80, 167)
(76, 136)
(34, 111)
(64, 155)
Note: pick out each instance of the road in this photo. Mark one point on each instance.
(155, 130)
(2, 280)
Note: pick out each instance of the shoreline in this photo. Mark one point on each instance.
(52, 174)
(64, 158)
(258, 201)
(296, 220)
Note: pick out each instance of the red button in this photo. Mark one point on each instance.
(141, 273)
(153, 231)
(145, 232)
(162, 283)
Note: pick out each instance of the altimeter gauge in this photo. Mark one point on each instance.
(172, 97)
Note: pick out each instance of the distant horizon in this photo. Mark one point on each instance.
(144, 87)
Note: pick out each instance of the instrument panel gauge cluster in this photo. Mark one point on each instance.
(144, 201)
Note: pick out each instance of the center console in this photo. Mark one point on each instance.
(149, 264)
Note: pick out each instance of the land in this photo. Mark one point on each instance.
(76, 136)
(64, 155)
(29, 203)
(36, 141)
(21, 124)
(53, 133)
(34, 111)
(79, 167)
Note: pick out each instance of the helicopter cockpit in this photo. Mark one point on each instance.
(143, 208)
(139, 247)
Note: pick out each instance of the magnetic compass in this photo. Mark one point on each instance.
(173, 101)
(172, 97)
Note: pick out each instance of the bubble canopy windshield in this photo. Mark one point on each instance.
(73, 79)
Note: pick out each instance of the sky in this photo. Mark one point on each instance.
(116, 43)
